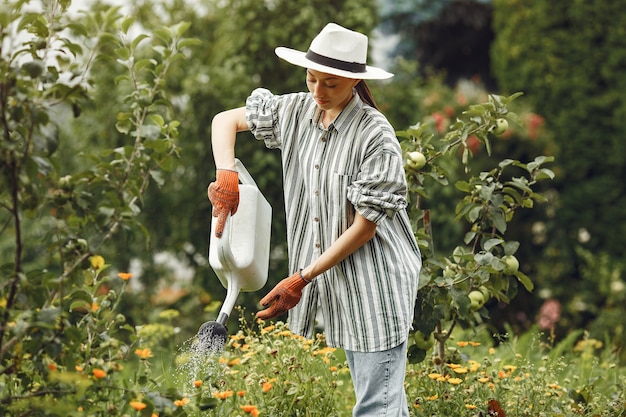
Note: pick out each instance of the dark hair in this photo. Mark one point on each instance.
(365, 94)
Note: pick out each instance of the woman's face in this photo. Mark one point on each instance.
(331, 92)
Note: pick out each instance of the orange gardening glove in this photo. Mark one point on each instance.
(224, 195)
(285, 295)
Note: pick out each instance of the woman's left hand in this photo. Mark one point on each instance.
(285, 295)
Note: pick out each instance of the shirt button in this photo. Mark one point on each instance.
(317, 166)
(323, 139)
(317, 245)
(316, 219)
(316, 193)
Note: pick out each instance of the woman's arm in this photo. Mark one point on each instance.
(359, 233)
(224, 130)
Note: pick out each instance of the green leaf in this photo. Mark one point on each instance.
(484, 258)
(157, 119)
(123, 53)
(499, 221)
(525, 281)
(126, 23)
(492, 243)
(157, 176)
(137, 40)
(474, 213)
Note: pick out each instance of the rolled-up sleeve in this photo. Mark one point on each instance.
(379, 190)
(262, 117)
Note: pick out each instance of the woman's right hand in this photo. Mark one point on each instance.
(224, 195)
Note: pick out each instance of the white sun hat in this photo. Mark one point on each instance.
(338, 51)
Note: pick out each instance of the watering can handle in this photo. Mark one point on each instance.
(223, 244)
(244, 175)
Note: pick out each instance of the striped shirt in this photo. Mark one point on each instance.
(367, 300)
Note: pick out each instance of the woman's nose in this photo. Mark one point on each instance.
(318, 91)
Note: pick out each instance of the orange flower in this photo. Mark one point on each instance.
(267, 386)
(143, 353)
(241, 393)
(197, 383)
(182, 402)
(99, 373)
(222, 395)
(137, 405)
(125, 275)
(79, 368)
(52, 367)
(250, 409)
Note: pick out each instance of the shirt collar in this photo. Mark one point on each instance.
(343, 118)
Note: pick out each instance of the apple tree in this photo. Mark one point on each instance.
(454, 287)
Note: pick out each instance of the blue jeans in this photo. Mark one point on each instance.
(378, 379)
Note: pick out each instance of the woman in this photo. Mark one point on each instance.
(351, 248)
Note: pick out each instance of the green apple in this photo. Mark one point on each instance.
(501, 126)
(423, 342)
(477, 300)
(511, 264)
(416, 160)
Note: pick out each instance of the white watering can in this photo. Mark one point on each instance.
(240, 258)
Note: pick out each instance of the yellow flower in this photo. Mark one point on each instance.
(460, 370)
(473, 366)
(234, 362)
(96, 261)
(470, 406)
(125, 275)
(79, 368)
(492, 351)
(99, 373)
(474, 344)
(137, 405)
(483, 379)
(455, 381)
(461, 344)
(432, 397)
(324, 351)
(434, 376)
(143, 353)
(267, 329)
(182, 402)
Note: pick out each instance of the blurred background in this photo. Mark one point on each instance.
(567, 57)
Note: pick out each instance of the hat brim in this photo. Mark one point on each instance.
(299, 58)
